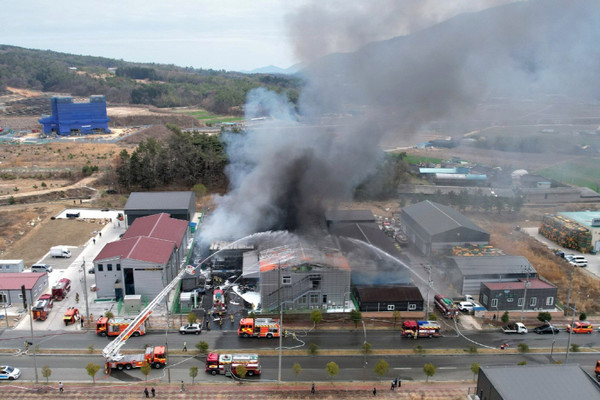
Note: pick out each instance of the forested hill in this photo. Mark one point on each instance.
(135, 83)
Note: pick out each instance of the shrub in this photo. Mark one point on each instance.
(313, 349)
(419, 349)
(544, 317)
(472, 349)
(523, 348)
(522, 362)
(505, 317)
(575, 348)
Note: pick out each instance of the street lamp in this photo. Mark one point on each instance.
(574, 309)
(364, 351)
(429, 285)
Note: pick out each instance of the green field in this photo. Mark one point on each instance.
(416, 160)
(580, 173)
(210, 118)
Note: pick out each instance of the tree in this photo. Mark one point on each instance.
(474, 369)
(397, 315)
(192, 318)
(109, 314)
(505, 317)
(316, 316)
(429, 370)
(146, 368)
(381, 368)
(332, 369)
(313, 349)
(582, 316)
(366, 348)
(199, 189)
(544, 316)
(46, 372)
(193, 373)
(356, 317)
(241, 371)
(202, 347)
(92, 369)
(297, 369)
(432, 317)
(523, 347)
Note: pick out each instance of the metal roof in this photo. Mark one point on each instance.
(388, 293)
(520, 284)
(541, 382)
(367, 233)
(477, 265)
(14, 280)
(436, 218)
(159, 200)
(159, 226)
(584, 218)
(140, 248)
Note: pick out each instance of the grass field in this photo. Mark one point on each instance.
(582, 172)
(419, 159)
(210, 118)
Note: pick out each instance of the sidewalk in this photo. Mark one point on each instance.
(255, 390)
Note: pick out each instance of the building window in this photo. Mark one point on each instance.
(550, 301)
(533, 301)
(391, 307)
(286, 280)
(109, 267)
(412, 306)
(484, 299)
(324, 298)
(494, 302)
(314, 298)
(118, 267)
(302, 300)
(3, 298)
(509, 299)
(520, 302)
(100, 268)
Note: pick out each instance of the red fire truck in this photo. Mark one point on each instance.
(416, 329)
(445, 305)
(155, 356)
(114, 326)
(60, 290)
(42, 307)
(227, 363)
(259, 327)
(71, 316)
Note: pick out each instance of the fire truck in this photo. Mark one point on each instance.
(219, 305)
(60, 290)
(416, 329)
(42, 307)
(259, 327)
(597, 370)
(71, 316)
(114, 326)
(445, 305)
(227, 363)
(155, 356)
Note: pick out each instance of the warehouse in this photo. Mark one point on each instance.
(180, 205)
(435, 228)
(70, 118)
(589, 221)
(508, 296)
(467, 273)
(389, 298)
(35, 283)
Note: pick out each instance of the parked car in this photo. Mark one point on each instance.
(190, 328)
(10, 373)
(579, 261)
(546, 329)
(581, 327)
(466, 306)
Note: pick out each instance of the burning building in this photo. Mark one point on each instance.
(301, 276)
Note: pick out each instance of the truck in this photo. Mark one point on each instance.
(597, 370)
(414, 329)
(515, 327)
(61, 289)
(60, 251)
(12, 266)
(156, 356)
(259, 327)
(42, 307)
(71, 316)
(445, 305)
(219, 305)
(114, 326)
(227, 363)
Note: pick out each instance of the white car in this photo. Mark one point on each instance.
(579, 261)
(190, 328)
(466, 306)
(10, 373)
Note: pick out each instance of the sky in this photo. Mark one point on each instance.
(238, 35)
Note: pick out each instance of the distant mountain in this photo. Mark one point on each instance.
(271, 69)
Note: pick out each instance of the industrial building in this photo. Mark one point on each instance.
(180, 205)
(535, 382)
(35, 283)
(299, 276)
(578, 230)
(144, 260)
(70, 118)
(467, 273)
(389, 298)
(509, 296)
(435, 228)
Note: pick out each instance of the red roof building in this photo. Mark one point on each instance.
(35, 283)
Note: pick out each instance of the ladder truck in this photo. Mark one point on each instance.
(156, 356)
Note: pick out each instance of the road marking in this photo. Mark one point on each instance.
(403, 368)
(447, 368)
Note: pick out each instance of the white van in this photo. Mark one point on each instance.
(60, 251)
(41, 268)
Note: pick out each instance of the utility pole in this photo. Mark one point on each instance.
(85, 293)
(280, 323)
(28, 308)
(429, 284)
(574, 309)
(527, 284)
(569, 292)
(364, 351)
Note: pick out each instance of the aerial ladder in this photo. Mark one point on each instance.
(114, 359)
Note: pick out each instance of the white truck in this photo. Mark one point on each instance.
(515, 327)
(60, 251)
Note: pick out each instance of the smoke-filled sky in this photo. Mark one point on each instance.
(287, 170)
(224, 34)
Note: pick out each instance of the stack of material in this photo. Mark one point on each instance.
(475, 250)
(566, 233)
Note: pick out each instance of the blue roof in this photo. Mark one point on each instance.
(582, 217)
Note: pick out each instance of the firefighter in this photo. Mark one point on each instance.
(76, 297)
(231, 318)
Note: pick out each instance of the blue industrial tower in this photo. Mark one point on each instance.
(70, 118)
